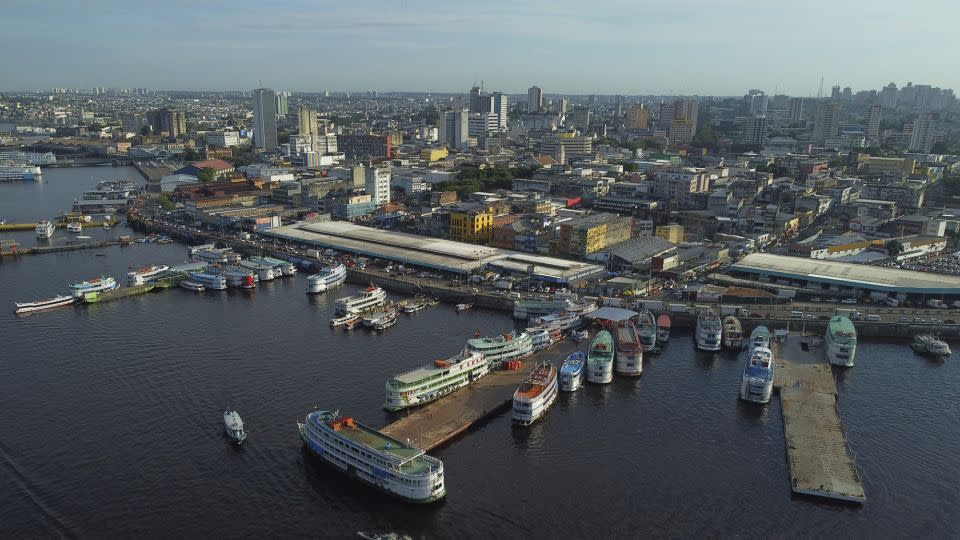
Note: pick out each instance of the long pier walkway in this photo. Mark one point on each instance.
(432, 425)
(817, 451)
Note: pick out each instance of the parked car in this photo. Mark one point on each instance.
(904, 319)
(848, 301)
(815, 299)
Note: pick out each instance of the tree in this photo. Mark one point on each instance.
(207, 174)
(939, 147)
(189, 154)
(894, 248)
(165, 202)
(631, 167)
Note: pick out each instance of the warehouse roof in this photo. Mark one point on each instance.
(847, 274)
(430, 252)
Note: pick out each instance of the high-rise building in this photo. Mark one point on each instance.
(167, 122)
(564, 105)
(132, 122)
(873, 123)
(264, 119)
(796, 110)
(922, 136)
(364, 146)
(501, 108)
(835, 92)
(482, 125)
(307, 119)
(638, 117)
(755, 132)
(755, 102)
(454, 128)
(534, 99)
(282, 107)
(580, 118)
(377, 184)
(827, 122)
(888, 96)
(680, 119)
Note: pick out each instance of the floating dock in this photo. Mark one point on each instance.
(121, 292)
(817, 451)
(434, 424)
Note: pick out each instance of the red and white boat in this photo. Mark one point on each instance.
(40, 305)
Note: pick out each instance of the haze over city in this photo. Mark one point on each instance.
(701, 47)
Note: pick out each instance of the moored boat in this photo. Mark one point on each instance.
(463, 307)
(509, 346)
(44, 229)
(760, 337)
(930, 345)
(209, 280)
(263, 272)
(600, 358)
(840, 342)
(540, 338)
(340, 321)
(285, 268)
(140, 275)
(394, 467)
(732, 333)
(571, 372)
(102, 283)
(386, 321)
(629, 350)
(191, 285)
(327, 278)
(369, 298)
(75, 227)
(709, 332)
(535, 395)
(564, 320)
(236, 276)
(663, 328)
(233, 425)
(647, 330)
(40, 305)
(580, 335)
(433, 381)
(756, 384)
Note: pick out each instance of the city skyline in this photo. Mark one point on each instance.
(431, 47)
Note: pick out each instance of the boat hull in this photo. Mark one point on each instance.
(600, 373)
(44, 306)
(756, 391)
(629, 364)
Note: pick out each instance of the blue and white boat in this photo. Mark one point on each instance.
(210, 281)
(376, 459)
(327, 278)
(571, 372)
(102, 283)
(280, 268)
(760, 337)
(756, 385)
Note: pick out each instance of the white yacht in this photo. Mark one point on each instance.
(505, 347)
(369, 298)
(45, 229)
(535, 395)
(431, 382)
(326, 278)
(233, 425)
(840, 343)
(709, 332)
(756, 385)
(376, 459)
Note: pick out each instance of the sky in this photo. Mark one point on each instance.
(694, 47)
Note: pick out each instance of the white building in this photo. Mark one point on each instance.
(454, 128)
(410, 184)
(224, 139)
(922, 137)
(378, 185)
(483, 125)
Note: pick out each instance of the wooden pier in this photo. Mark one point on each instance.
(433, 425)
(817, 451)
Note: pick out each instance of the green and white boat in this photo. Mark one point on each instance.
(429, 383)
(511, 346)
(840, 341)
(600, 358)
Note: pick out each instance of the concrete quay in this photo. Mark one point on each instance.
(818, 454)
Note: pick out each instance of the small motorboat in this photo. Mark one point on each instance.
(233, 425)
(463, 307)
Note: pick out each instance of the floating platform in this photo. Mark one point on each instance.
(818, 454)
(122, 292)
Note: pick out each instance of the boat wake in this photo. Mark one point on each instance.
(23, 483)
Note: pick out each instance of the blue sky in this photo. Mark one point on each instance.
(708, 47)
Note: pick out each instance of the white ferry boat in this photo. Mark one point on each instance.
(342, 321)
(45, 229)
(192, 250)
(663, 328)
(647, 330)
(217, 255)
(538, 307)
(840, 344)
(571, 372)
(629, 350)
(20, 173)
(600, 358)
(191, 285)
(98, 284)
(510, 346)
(429, 383)
(760, 337)
(236, 276)
(395, 467)
(756, 384)
(326, 278)
(142, 274)
(75, 227)
(263, 272)
(208, 280)
(280, 268)
(381, 320)
(930, 345)
(540, 338)
(40, 305)
(369, 298)
(709, 332)
(732, 333)
(535, 395)
(563, 321)
(233, 425)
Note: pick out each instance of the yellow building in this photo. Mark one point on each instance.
(471, 225)
(433, 154)
(638, 117)
(670, 233)
(888, 164)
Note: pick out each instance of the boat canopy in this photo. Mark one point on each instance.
(614, 314)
